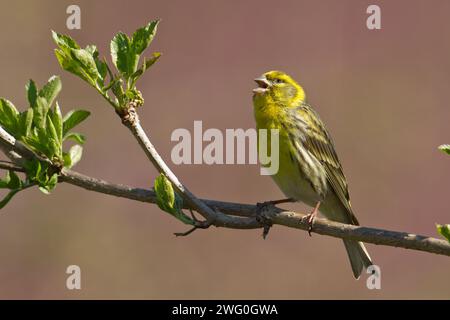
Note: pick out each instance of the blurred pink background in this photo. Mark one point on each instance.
(384, 96)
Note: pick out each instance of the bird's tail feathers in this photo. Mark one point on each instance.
(358, 255)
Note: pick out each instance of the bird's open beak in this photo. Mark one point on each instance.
(263, 85)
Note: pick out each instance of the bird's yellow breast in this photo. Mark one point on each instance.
(290, 177)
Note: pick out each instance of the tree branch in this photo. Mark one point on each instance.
(246, 220)
(236, 215)
(5, 165)
(277, 215)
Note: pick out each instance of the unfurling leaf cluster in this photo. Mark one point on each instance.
(125, 55)
(43, 129)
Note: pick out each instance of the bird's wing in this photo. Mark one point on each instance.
(319, 144)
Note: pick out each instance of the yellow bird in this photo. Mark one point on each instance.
(309, 169)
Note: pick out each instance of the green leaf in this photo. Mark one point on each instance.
(92, 49)
(64, 41)
(32, 92)
(101, 65)
(9, 116)
(87, 64)
(54, 149)
(38, 173)
(79, 62)
(33, 169)
(444, 230)
(445, 148)
(102, 68)
(75, 153)
(53, 139)
(7, 198)
(168, 201)
(111, 84)
(4, 183)
(73, 118)
(15, 182)
(77, 137)
(165, 196)
(57, 121)
(75, 60)
(40, 111)
(108, 70)
(25, 122)
(51, 89)
(117, 89)
(147, 64)
(122, 54)
(67, 161)
(72, 157)
(69, 64)
(43, 142)
(44, 190)
(152, 60)
(125, 51)
(37, 141)
(11, 181)
(142, 37)
(51, 184)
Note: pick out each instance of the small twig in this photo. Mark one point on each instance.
(193, 215)
(184, 234)
(197, 225)
(6, 165)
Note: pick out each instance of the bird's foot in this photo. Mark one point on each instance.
(262, 218)
(310, 218)
(261, 213)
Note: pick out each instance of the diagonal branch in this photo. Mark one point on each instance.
(130, 119)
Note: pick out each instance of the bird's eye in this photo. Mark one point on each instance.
(277, 81)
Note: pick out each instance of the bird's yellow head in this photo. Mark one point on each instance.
(279, 88)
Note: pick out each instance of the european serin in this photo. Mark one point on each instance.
(309, 169)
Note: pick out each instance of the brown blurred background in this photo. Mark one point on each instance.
(384, 96)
